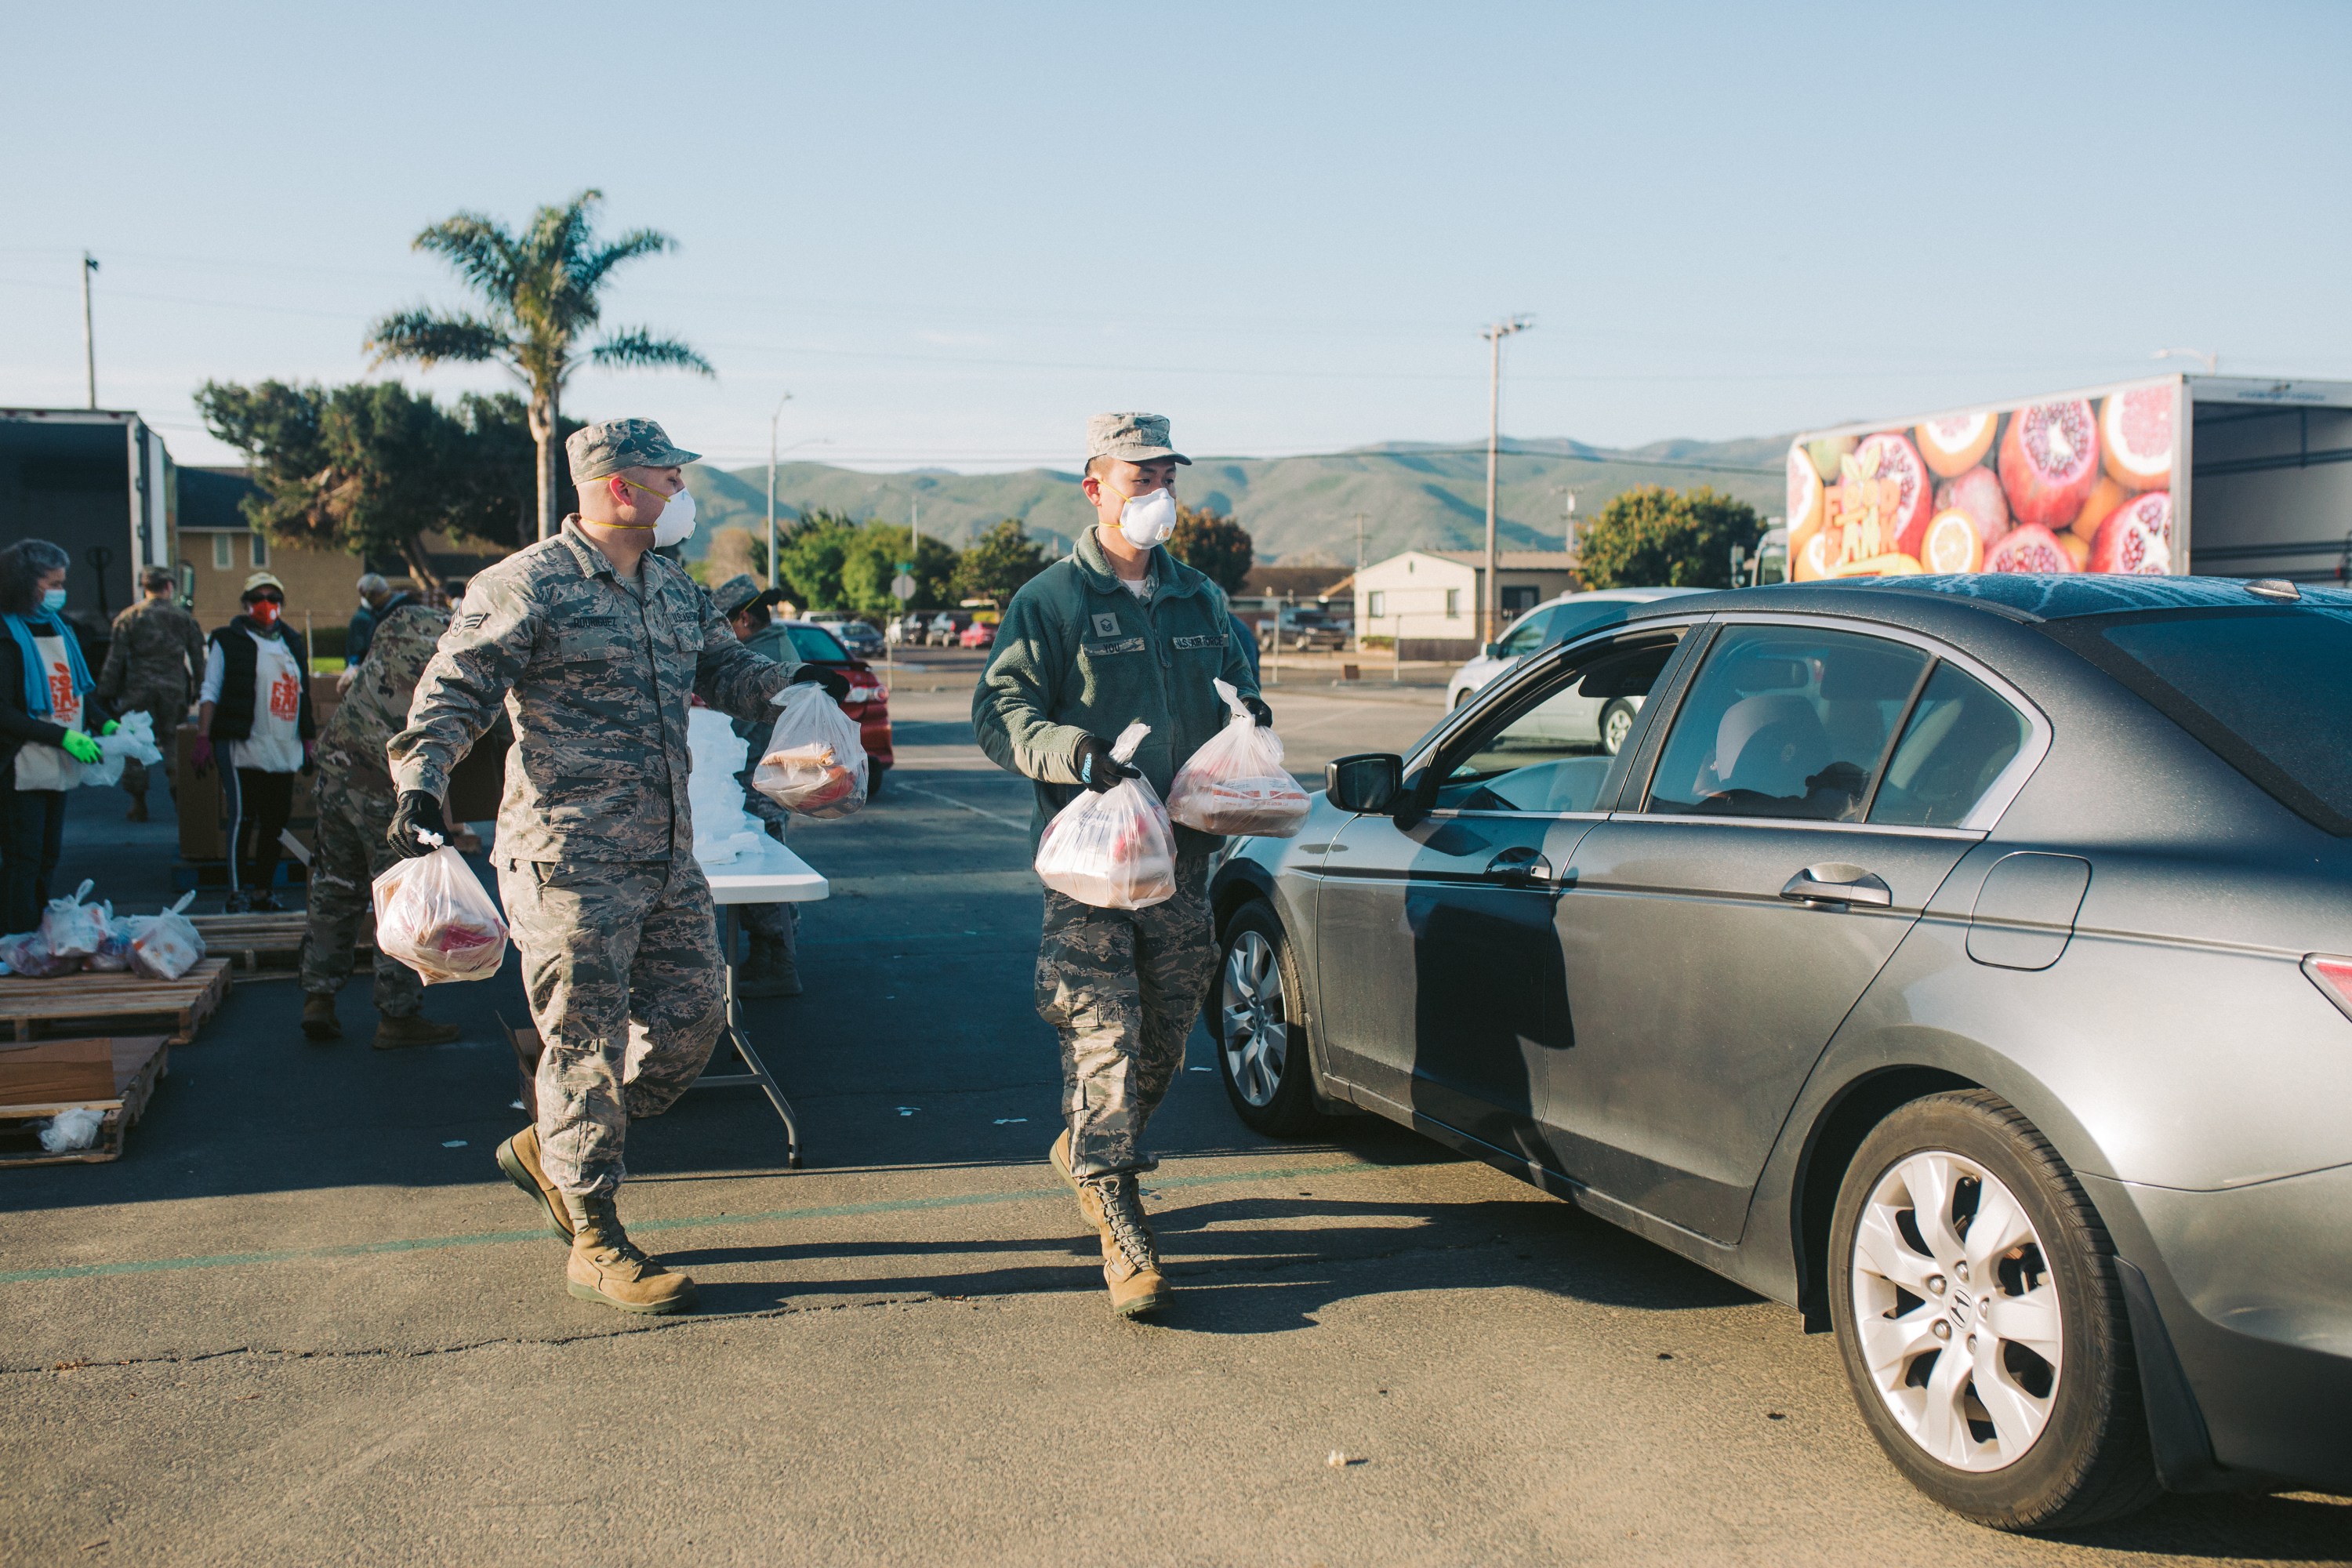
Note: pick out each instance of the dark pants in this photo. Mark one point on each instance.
(260, 805)
(32, 830)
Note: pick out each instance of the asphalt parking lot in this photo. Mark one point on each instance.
(306, 1320)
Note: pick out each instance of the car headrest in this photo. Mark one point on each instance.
(1770, 744)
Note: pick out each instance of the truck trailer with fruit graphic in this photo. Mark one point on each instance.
(2115, 478)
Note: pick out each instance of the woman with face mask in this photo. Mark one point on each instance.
(47, 714)
(253, 712)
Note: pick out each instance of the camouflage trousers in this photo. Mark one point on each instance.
(1122, 988)
(351, 853)
(620, 962)
(167, 708)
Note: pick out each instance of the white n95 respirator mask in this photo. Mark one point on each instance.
(1148, 519)
(676, 524)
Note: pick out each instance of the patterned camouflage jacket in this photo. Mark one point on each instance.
(375, 709)
(595, 674)
(158, 650)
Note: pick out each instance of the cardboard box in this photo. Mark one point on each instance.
(55, 1072)
(204, 803)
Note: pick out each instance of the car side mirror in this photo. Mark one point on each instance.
(1367, 783)
(1493, 651)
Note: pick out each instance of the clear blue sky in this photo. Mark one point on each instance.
(953, 231)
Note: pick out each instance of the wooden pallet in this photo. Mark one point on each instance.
(139, 1062)
(111, 1000)
(259, 941)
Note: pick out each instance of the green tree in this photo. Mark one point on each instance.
(541, 289)
(1652, 537)
(872, 560)
(1214, 544)
(994, 566)
(810, 556)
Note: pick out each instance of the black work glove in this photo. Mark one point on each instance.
(417, 813)
(835, 684)
(1097, 769)
(1259, 710)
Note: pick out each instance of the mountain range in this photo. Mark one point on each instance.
(1299, 510)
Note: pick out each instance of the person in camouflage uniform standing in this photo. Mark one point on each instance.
(771, 967)
(1116, 631)
(151, 666)
(592, 644)
(355, 806)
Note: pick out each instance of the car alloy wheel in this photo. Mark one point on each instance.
(1616, 725)
(1261, 1044)
(1959, 1318)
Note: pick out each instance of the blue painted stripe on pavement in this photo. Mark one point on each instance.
(690, 1222)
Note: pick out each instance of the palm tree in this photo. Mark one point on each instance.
(540, 288)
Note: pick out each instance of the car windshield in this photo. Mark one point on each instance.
(2263, 687)
(816, 643)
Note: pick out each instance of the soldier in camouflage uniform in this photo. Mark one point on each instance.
(153, 664)
(771, 967)
(355, 806)
(592, 644)
(1116, 631)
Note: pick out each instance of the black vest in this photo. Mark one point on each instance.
(232, 714)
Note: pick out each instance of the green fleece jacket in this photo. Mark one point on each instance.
(1078, 655)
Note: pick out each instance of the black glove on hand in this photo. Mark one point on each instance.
(835, 684)
(417, 813)
(1259, 712)
(1097, 769)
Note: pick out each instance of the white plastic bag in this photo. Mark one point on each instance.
(113, 954)
(814, 765)
(72, 1130)
(723, 830)
(167, 945)
(26, 954)
(72, 929)
(134, 737)
(432, 915)
(1114, 851)
(1236, 784)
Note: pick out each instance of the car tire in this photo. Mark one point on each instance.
(1616, 725)
(2070, 1444)
(1253, 1020)
(1462, 697)
(874, 777)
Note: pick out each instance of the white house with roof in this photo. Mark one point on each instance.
(1429, 598)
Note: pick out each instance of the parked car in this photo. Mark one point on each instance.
(1549, 624)
(1302, 626)
(868, 701)
(980, 634)
(943, 628)
(1965, 962)
(861, 639)
(905, 631)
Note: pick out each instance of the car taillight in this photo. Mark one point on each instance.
(2333, 975)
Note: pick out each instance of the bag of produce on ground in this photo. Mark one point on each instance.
(167, 945)
(1236, 784)
(113, 954)
(25, 954)
(814, 765)
(1114, 851)
(73, 929)
(134, 737)
(431, 915)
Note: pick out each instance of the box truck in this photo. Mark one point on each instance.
(2226, 476)
(98, 483)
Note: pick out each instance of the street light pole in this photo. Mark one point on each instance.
(773, 420)
(88, 339)
(1492, 600)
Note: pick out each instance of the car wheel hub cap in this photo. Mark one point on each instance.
(1256, 1038)
(1957, 1311)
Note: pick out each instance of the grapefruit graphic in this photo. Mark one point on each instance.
(1977, 492)
(1894, 564)
(1956, 443)
(1804, 493)
(2077, 549)
(2049, 460)
(2135, 432)
(2029, 547)
(1950, 542)
(2137, 537)
(1809, 558)
(2106, 496)
(1825, 451)
(1899, 460)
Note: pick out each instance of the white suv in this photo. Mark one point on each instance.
(1553, 622)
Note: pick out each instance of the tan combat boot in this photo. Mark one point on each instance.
(607, 1267)
(319, 1021)
(519, 1158)
(1088, 1205)
(391, 1034)
(1130, 1257)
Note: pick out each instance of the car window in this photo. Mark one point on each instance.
(1959, 737)
(816, 643)
(1528, 635)
(1541, 749)
(1786, 722)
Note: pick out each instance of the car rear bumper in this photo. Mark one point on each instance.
(2255, 1289)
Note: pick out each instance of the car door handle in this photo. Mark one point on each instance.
(1838, 884)
(1519, 864)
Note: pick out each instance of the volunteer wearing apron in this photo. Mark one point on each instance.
(46, 710)
(254, 709)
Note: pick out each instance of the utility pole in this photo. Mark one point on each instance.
(88, 339)
(773, 420)
(1491, 607)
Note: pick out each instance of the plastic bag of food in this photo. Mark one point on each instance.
(1114, 851)
(28, 954)
(134, 737)
(814, 765)
(431, 915)
(167, 945)
(73, 929)
(113, 954)
(1236, 784)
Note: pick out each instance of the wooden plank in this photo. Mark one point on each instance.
(190, 1000)
(139, 1062)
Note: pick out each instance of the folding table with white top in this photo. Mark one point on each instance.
(771, 874)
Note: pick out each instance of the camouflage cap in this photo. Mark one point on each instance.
(597, 451)
(734, 593)
(1130, 437)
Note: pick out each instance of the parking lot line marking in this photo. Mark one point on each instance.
(688, 1222)
(961, 806)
